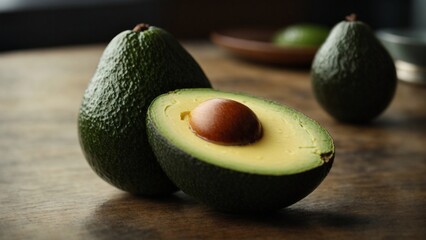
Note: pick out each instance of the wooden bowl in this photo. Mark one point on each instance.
(256, 45)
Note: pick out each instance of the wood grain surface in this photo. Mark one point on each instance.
(375, 190)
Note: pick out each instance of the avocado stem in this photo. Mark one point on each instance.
(351, 17)
(141, 27)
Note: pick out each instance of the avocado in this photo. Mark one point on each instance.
(301, 35)
(288, 157)
(136, 66)
(353, 76)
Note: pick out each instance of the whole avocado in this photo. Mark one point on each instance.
(353, 76)
(136, 66)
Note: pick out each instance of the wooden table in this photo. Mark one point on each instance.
(375, 190)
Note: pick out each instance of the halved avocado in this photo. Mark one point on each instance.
(291, 158)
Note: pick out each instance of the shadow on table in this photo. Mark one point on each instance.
(179, 216)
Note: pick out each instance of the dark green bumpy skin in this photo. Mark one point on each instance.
(353, 76)
(228, 190)
(134, 69)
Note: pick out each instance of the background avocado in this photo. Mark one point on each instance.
(289, 161)
(135, 67)
(301, 35)
(353, 76)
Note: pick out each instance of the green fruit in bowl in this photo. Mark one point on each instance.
(301, 35)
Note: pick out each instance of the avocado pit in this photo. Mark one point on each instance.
(225, 122)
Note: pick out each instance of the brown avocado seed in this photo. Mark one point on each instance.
(225, 122)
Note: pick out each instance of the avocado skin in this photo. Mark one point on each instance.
(353, 76)
(228, 190)
(134, 68)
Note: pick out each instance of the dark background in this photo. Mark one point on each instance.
(43, 23)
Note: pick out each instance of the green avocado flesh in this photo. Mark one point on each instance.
(288, 162)
(135, 67)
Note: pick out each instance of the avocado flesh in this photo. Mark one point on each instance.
(286, 164)
(353, 76)
(134, 68)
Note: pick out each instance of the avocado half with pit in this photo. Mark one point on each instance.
(237, 153)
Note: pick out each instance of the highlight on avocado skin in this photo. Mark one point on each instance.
(290, 159)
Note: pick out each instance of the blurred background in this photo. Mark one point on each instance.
(44, 23)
